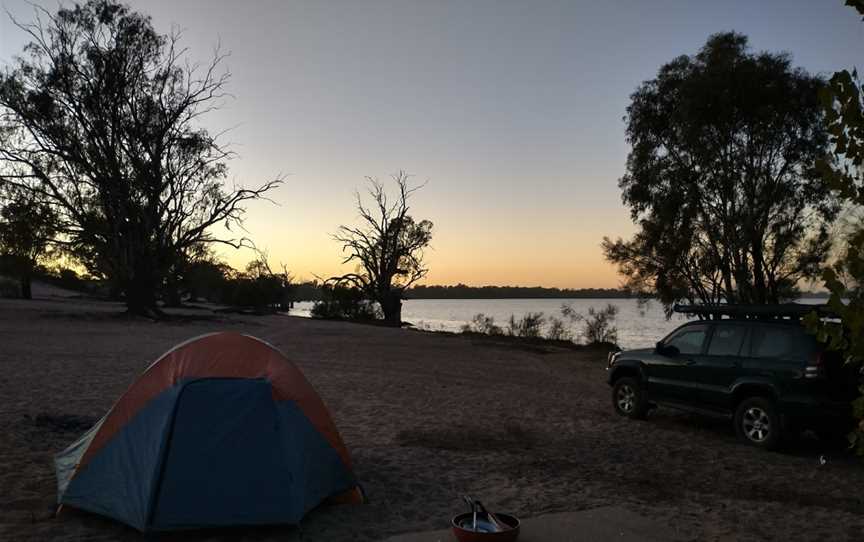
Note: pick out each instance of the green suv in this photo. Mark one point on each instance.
(758, 367)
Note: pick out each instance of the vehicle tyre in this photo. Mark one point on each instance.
(757, 423)
(628, 398)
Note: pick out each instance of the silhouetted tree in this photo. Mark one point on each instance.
(205, 278)
(259, 287)
(339, 301)
(307, 291)
(102, 113)
(387, 247)
(176, 283)
(27, 226)
(720, 178)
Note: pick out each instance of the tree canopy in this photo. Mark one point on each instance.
(27, 227)
(720, 178)
(100, 116)
(387, 247)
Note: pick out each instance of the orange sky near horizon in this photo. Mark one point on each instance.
(469, 245)
(512, 112)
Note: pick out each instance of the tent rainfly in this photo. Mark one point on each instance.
(221, 430)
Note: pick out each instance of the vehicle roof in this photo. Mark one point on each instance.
(746, 321)
(762, 312)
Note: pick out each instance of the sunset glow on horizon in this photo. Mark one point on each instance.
(510, 112)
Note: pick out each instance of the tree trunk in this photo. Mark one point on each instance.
(391, 305)
(173, 298)
(760, 293)
(140, 293)
(26, 286)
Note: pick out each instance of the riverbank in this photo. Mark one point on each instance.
(427, 418)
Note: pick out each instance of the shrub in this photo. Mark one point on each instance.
(528, 327)
(344, 303)
(557, 330)
(599, 324)
(69, 279)
(258, 286)
(482, 324)
(266, 292)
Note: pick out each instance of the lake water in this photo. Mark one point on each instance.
(639, 324)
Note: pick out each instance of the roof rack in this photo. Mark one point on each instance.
(783, 310)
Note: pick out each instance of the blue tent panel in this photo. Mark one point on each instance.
(317, 469)
(118, 481)
(225, 465)
(209, 453)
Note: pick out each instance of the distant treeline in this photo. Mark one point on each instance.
(462, 291)
(310, 291)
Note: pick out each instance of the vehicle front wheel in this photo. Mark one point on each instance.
(757, 422)
(628, 398)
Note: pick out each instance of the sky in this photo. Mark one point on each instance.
(511, 112)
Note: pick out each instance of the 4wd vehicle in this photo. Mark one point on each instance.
(755, 365)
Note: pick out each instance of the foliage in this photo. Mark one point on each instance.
(307, 291)
(842, 100)
(720, 179)
(69, 279)
(599, 323)
(206, 278)
(557, 330)
(387, 248)
(340, 302)
(258, 287)
(482, 324)
(529, 326)
(100, 119)
(27, 226)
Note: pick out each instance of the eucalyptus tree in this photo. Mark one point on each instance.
(27, 228)
(387, 247)
(720, 179)
(102, 117)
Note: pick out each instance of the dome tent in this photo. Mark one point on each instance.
(221, 430)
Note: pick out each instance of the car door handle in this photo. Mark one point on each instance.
(689, 362)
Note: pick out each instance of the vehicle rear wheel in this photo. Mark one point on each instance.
(758, 423)
(628, 398)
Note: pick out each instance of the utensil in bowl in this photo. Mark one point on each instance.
(462, 524)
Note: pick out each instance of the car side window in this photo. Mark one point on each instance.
(688, 340)
(785, 343)
(726, 340)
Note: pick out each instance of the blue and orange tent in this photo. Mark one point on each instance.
(221, 430)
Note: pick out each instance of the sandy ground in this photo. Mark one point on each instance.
(427, 417)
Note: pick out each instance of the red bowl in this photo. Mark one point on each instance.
(464, 535)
